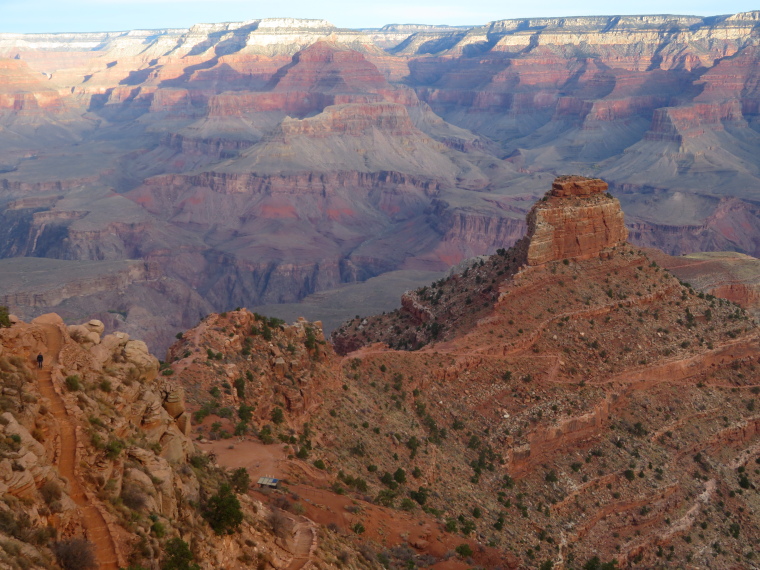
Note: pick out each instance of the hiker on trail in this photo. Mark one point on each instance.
(39, 360)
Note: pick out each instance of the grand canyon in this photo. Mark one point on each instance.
(526, 251)
(259, 162)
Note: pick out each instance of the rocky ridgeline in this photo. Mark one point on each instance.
(596, 399)
(97, 446)
(241, 358)
(577, 219)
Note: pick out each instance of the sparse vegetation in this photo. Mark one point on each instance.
(222, 511)
(75, 554)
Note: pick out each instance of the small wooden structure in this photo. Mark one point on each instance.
(270, 482)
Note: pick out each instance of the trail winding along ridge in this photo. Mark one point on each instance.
(96, 529)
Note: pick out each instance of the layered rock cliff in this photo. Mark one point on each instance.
(577, 219)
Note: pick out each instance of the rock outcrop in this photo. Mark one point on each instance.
(96, 456)
(576, 220)
(270, 363)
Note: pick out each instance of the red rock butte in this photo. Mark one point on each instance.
(577, 219)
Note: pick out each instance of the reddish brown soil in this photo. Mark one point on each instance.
(384, 526)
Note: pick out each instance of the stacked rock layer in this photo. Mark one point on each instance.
(576, 219)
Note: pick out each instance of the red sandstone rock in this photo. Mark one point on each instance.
(566, 186)
(576, 221)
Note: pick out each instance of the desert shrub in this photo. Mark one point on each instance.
(13, 526)
(178, 556)
(240, 480)
(158, 529)
(245, 413)
(413, 444)
(72, 383)
(311, 339)
(43, 535)
(278, 416)
(240, 387)
(132, 497)
(407, 505)
(387, 480)
(464, 550)
(5, 320)
(265, 435)
(279, 522)
(50, 491)
(596, 564)
(319, 464)
(639, 429)
(75, 554)
(114, 448)
(199, 460)
(420, 495)
(222, 511)
(386, 497)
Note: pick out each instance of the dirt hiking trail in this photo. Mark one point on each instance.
(96, 530)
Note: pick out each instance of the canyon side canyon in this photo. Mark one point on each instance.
(161, 175)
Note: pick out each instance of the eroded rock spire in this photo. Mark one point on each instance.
(576, 219)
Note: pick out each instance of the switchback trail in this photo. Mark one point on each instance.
(94, 524)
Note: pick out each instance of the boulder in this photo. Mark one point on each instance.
(95, 326)
(161, 477)
(136, 353)
(174, 400)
